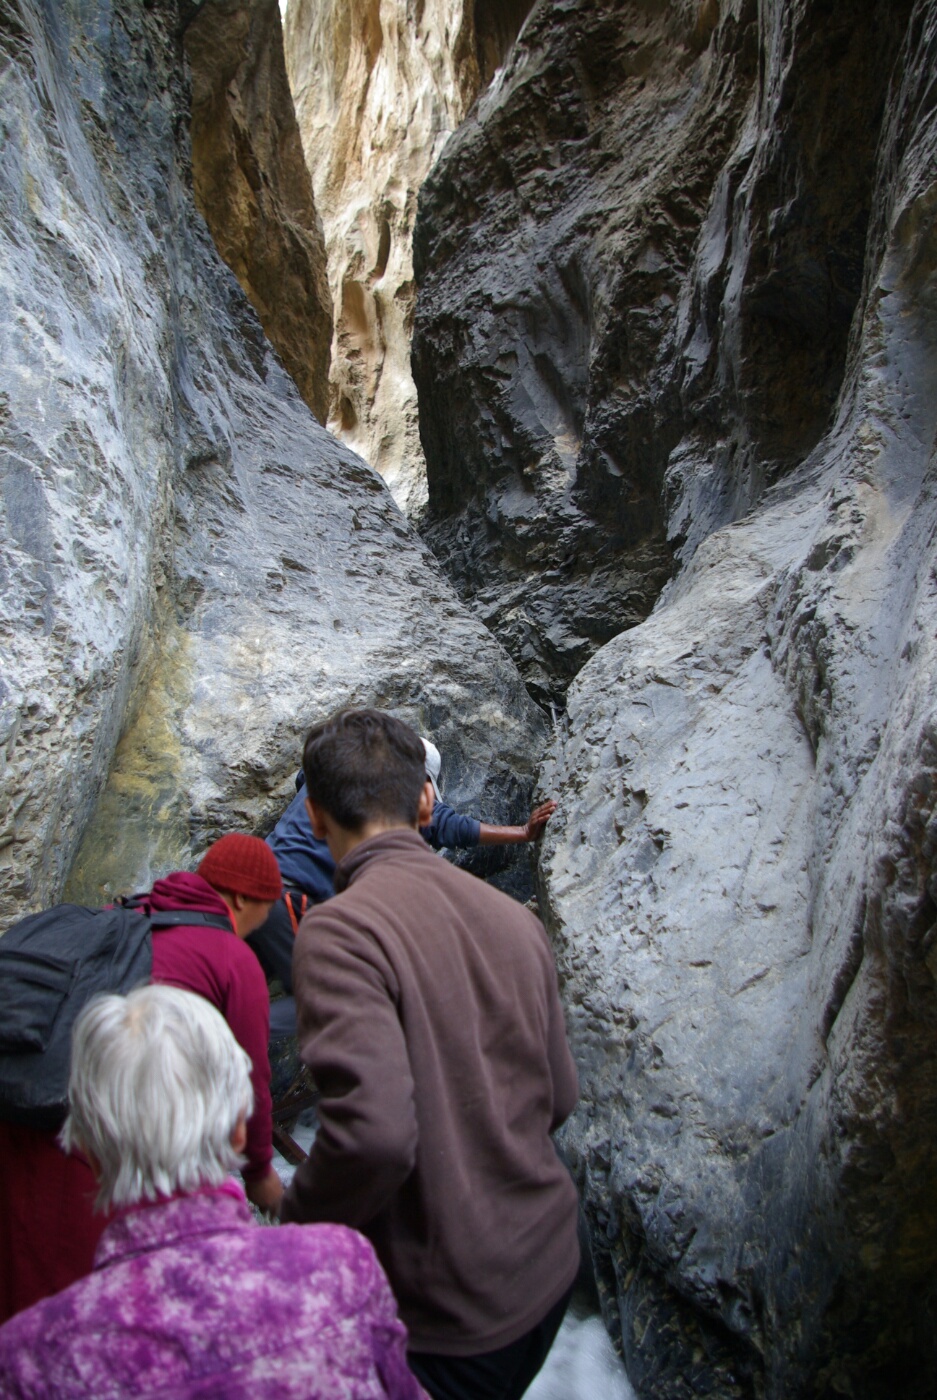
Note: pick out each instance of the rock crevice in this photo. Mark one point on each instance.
(378, 87)
(252, 187)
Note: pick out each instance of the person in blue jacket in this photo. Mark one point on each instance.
(307, 869)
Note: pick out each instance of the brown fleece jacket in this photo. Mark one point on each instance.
(429, 1015)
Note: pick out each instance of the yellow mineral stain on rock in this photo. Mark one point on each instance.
(140, 829)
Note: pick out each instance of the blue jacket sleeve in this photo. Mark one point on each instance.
(305, 862)
(449, 828)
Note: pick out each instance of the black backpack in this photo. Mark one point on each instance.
(51, 964)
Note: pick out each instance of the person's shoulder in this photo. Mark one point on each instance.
(422, 869)
(479, 901)
(318, 1249)
(243, 958)
(325, 1238)
(17, 1334)
(354, 918)
(27, 1333)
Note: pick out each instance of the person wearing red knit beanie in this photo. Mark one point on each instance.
(237, 875)
(48, 1230)
(244, 871)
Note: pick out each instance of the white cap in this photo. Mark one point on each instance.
(433, 765)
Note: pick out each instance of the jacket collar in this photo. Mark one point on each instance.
(152, 1225)
(184, 890)
(388, 843)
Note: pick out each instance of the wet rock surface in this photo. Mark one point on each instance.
(252, 186)
(186, 555)
(740, 878)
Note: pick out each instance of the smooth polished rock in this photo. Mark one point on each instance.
(186, 555)
(377, 92)
(252, 186)
(740, 878)
(379, 85)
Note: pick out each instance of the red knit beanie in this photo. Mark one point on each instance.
(242, 865)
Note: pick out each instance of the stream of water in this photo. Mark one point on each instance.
(582, 1364)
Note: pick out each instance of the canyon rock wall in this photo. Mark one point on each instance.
(553, 246)
(740, 881)
(252, 186)
(377, 92)
(678, 315)
(378, 86)
(551, 241)
(185, 554)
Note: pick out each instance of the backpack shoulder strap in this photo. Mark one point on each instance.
(192, 918)
(288, 900)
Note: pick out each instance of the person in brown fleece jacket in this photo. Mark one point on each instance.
(429, 1015)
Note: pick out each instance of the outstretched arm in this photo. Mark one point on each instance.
(515, 835)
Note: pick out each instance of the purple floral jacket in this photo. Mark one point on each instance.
(189, 1298)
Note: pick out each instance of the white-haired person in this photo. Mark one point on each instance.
(188, 1295)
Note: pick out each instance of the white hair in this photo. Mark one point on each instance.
(157, 1086)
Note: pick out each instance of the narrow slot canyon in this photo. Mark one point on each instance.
(562, 378)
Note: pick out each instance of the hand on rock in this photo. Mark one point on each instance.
(538, 820)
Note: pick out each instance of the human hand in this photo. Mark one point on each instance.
(538, 820)
(266, 1193)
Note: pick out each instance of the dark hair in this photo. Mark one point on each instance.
(364, 766)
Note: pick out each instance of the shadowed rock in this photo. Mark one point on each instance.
(252, 187)
(559, 366)
(552, 238)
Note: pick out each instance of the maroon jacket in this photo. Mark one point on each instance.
(48, 1229)
(430, 1017)
(221, 968)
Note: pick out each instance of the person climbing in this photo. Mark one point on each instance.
(48, 1230)
(308, 869)
(449, 829)
(188, 1296)
(429, 1016)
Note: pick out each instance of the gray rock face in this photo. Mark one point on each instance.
(549, 248)
(185, 554)
(557, 361)
(740, 880)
